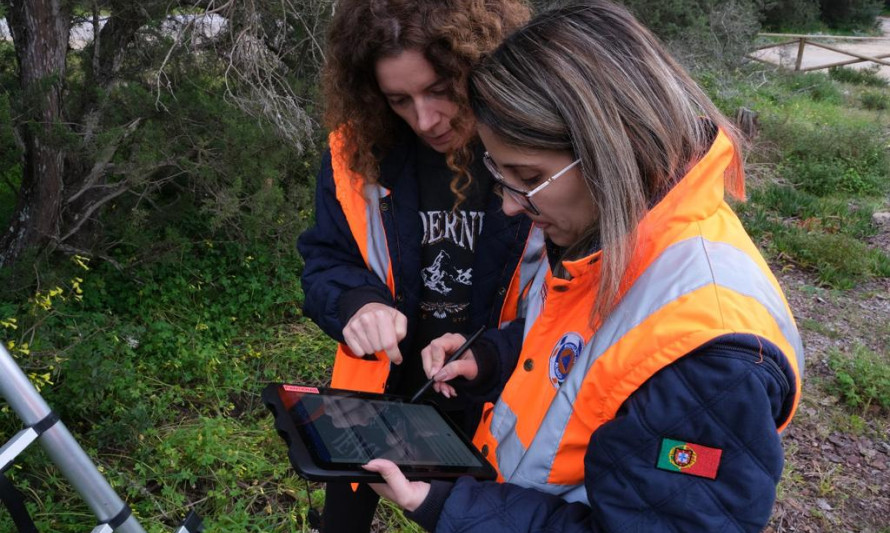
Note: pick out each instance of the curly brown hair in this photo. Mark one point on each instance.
(452, 34)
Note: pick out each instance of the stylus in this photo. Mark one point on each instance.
(453, 357)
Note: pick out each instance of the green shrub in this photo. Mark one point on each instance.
(193, 307)
(161, 344)
(845, 158)
(671, 19)
(827, 215)
(232, 177)
(758, 221)
(157, 370)
(791, 15)
(875, 100)
(822, 170)
(701, 33)
(861, 378)
(851, 14)
(832, 176)
(726, 90)
(859, 76)
(815, 85)
(839, 261)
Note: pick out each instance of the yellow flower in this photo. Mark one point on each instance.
(81, 261)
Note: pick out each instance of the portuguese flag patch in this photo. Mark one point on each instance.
(689, 458)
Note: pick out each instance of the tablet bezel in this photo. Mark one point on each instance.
(307, 464)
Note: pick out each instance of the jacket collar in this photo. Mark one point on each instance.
(698, 194)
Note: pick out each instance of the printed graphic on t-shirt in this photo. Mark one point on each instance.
(437, 277)
(450, 234)
(459, 227)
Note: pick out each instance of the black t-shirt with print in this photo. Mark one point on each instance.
(447, 251)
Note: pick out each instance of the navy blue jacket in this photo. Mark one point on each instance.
(731, 394)
(336, 281)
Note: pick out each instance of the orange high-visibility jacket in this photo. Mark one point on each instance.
(360, 203)
(696, 276)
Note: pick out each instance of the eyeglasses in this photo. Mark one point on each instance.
(523, 198)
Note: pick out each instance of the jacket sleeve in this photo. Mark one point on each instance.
(724, 396)
(496, 355)
(336, 281)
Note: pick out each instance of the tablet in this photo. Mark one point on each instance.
(331, 433)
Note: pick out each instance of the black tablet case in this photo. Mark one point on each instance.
(310, 467)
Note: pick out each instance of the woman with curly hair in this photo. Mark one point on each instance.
(409, 242)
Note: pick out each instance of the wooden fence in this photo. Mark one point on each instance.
(804, 40)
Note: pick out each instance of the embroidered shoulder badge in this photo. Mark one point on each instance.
(689, 458)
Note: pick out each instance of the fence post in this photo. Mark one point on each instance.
(800, 47)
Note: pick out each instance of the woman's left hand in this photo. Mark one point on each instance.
(406, 494)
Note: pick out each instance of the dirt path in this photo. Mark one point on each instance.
(786, 56)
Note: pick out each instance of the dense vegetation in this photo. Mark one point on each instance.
(154, 330)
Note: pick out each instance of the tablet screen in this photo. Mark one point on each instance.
(331, 433)
(354, 431)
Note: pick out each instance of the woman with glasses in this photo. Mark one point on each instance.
(660, 360)
(404, 248)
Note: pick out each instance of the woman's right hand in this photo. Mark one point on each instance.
(376, 327)
(434, 356)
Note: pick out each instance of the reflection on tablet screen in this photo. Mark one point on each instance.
(354, 431)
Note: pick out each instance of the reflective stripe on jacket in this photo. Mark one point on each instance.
(360, 203)
(696, 276)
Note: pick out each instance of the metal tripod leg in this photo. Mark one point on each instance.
(61, 447)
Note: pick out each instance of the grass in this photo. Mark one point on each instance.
(818, 327)
(824, 243)
(861, 378)
(822, 170)
(839, 261)
(828, 215)
(830, 158)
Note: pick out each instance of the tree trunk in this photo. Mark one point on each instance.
(39, 31)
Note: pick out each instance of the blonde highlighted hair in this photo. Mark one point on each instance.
(589, 79)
